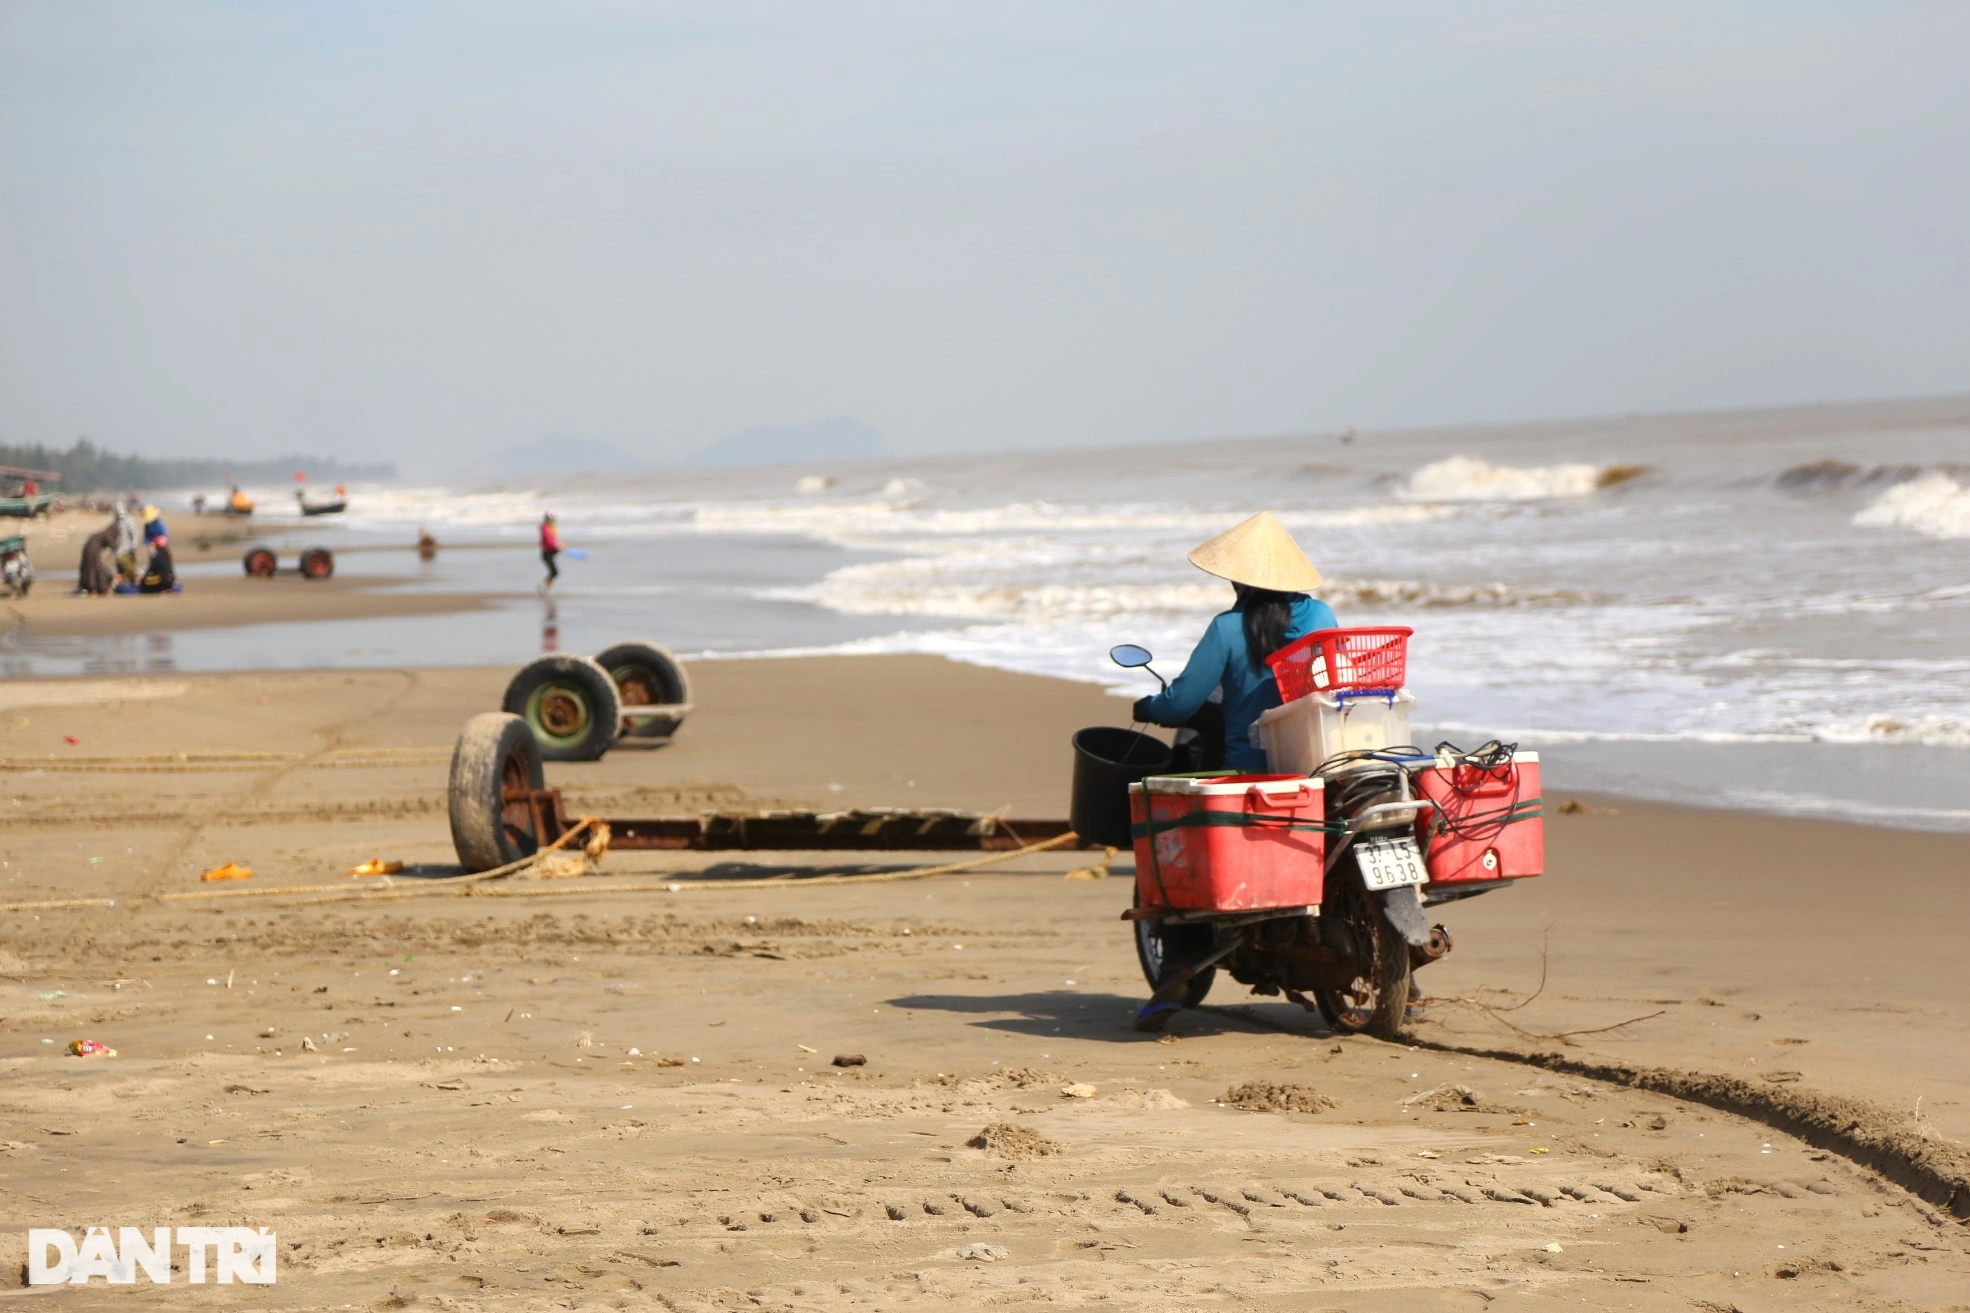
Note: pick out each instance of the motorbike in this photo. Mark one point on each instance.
(1315, 880)
(16, 571)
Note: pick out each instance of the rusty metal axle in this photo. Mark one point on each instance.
(789, 831)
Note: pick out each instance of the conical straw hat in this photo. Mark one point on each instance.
(1260, 554)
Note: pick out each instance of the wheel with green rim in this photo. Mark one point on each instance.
(570, 704)
(655, 691)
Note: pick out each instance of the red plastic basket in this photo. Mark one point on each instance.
(1331, 660)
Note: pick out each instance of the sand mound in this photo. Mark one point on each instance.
(1006, 1140)
(1447, 1098)
(1271, 1096)
(1144, 1100)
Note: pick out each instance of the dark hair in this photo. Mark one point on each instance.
(1266, 615)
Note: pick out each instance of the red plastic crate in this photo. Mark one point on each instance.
(1232, 843)
(1491, 826)
(1330, 660)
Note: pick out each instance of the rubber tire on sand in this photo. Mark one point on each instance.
(1391, 967)
(568, 683)
(638, 667)
(1157, 944)
(479, 834)
(317, 563)
(260, 562)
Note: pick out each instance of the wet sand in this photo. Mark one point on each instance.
(540, 1096)
(226, 603)
(222, 602)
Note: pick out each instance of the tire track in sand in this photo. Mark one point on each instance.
(261, 790)
(1867, 1135)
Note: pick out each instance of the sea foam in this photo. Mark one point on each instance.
(1934, 504)
(1465, 478)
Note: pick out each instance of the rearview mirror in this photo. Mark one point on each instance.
(1129, 656)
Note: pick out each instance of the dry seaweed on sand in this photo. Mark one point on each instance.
(1447, 1098)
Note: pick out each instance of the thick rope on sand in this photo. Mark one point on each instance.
(475, 884)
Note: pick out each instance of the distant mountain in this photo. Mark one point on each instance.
(551, 456)
(840, 438)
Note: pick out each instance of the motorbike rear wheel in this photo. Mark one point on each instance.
(1376, 1002)
(1161, 948)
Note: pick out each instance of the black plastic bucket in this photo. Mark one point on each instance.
(1107, 760)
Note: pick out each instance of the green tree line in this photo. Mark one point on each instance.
(85, 467)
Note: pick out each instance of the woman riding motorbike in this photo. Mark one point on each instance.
(1272, 577)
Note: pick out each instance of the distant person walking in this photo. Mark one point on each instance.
(550, 547)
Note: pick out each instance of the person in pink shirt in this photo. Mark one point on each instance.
(550, 547)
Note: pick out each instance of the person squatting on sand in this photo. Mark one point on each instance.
(96, 573)
(1271, 577)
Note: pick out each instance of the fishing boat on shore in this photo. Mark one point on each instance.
(335, 507)
(25, 499)
(23, 508)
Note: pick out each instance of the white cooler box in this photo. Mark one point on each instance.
(1307, 731)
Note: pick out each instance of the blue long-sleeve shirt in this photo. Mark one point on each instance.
(1222, 660)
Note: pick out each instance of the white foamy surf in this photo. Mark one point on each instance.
(1934, 504)
(1466, 478)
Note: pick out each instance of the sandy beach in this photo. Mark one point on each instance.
(1386, 401)
(1743, 1084)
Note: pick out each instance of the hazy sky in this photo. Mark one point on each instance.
(422, 231)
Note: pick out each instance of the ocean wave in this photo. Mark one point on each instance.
(1530, 736)
(1934, 504)
(1934, 731)
(1830, 475)
(889, 519)
(1931, 731)
(1030, 603)
(1376, 593)
(391, 507)
(1848, 808)
(1465, 478)
(952, 587)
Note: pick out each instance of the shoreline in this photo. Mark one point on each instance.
(371, 598)
(397, 616)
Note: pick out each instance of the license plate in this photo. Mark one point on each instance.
(1390, 863)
